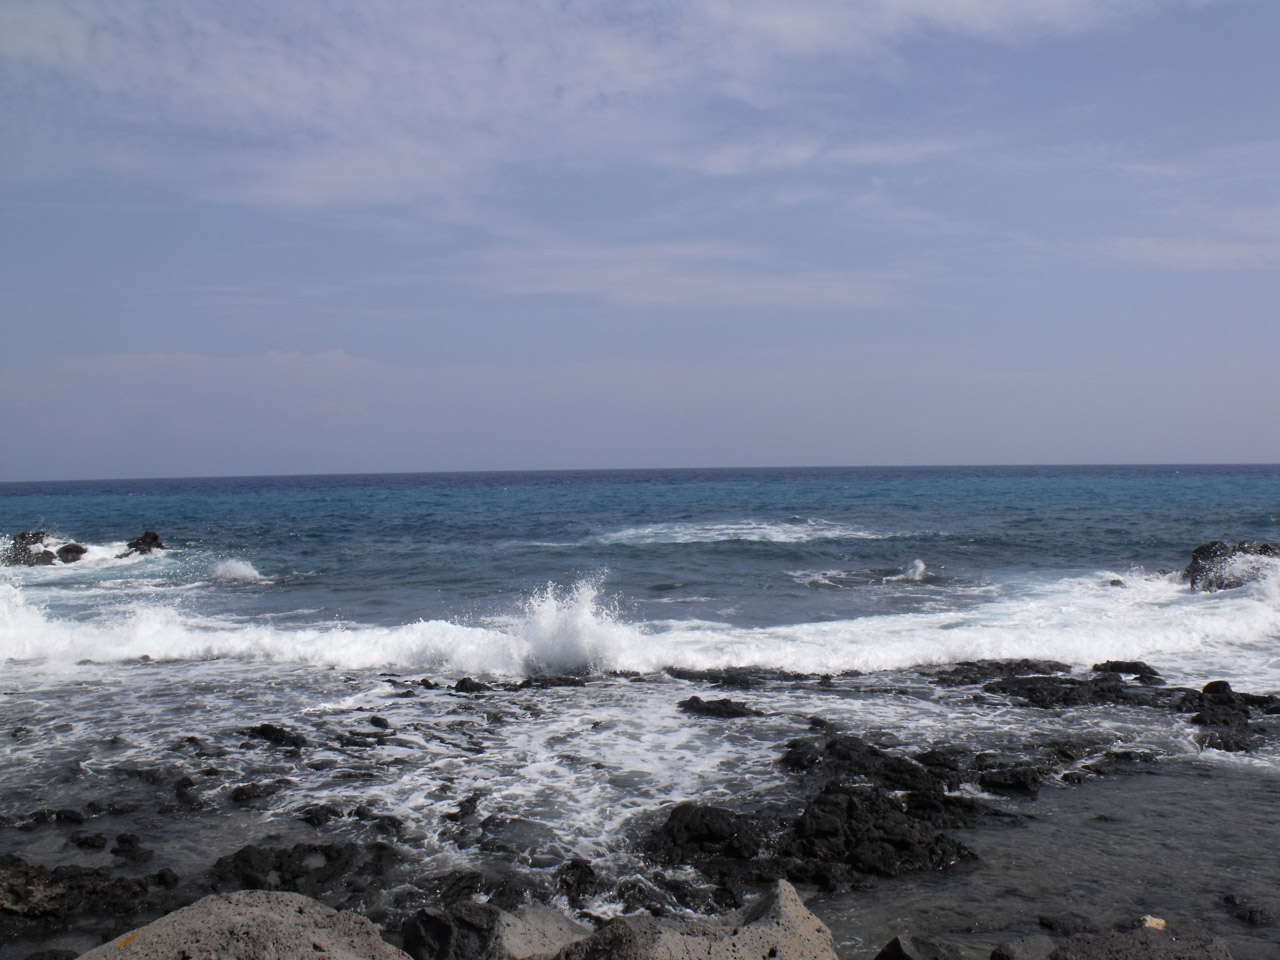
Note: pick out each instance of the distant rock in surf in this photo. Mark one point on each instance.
(150, 540)
(1218, 565)
(27, 550)
(71, 552)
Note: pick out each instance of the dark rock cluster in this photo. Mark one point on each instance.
(28, 549)
(1218, 565)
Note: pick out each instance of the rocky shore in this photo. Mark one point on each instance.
(719, 879)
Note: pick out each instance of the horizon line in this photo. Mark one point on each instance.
(693, 469)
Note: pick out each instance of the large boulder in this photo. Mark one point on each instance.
(252, 925)
(1218, 565)
(776, 925)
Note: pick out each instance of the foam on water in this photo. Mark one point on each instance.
(236, 571)
(1079, 620)
(752, 531)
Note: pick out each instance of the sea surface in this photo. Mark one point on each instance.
(320, 602)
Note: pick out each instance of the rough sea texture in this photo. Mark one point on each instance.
(320, 603)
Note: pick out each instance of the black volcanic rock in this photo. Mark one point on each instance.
(721, 709)
(1225, 716)
(1218, 565)
(71, 552)
(861, 829)
(278, 735)
(969, 672)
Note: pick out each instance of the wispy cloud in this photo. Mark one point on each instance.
(310, 104)
(684, 275)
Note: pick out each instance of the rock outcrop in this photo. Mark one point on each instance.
(776, 925)
(1218, 565)
(252, 925)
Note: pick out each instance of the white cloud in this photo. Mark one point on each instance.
(309, 103)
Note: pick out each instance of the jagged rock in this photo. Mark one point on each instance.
(252, 925)
(695, 831)
(1020, 781)
(313, 869)
(1225, 716)
(275, 734)
(1135, 668)
(149, 541)
(864, 830)
(969, 672)
(720, 709)
(467, 930)
(467, 685)
(776, 925)
(546, 683)
(1218, 565)
(19, 553)
(36, 900)
(577, 880)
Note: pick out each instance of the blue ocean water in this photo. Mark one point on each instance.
(704, 556)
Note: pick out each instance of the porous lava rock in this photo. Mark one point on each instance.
(777, 925)
(252, 925)
(720, 709)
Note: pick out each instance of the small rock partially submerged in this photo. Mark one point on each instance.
(149, 541)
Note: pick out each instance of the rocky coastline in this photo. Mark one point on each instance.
(718, 878)
(858, 815)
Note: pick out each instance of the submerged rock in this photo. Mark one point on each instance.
(278, 735)
(149, 541)
(720, 709)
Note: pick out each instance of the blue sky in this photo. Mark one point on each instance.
(342, 237)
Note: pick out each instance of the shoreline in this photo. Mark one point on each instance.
(1167, 815)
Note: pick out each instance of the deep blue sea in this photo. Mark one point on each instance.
(318, 602)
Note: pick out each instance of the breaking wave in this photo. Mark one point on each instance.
(1079, 620)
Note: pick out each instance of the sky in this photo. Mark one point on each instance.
(314, 236)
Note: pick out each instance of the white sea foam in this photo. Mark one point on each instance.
(915, 572)
(753, 531)
(236, 571)
(1079, 620)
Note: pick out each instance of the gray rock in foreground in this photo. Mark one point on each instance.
(252, 925)
(777, 925)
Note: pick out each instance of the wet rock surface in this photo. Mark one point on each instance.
(853, 813)
(1218, 565)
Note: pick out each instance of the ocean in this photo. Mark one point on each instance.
(318, 603)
